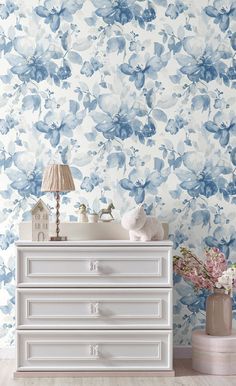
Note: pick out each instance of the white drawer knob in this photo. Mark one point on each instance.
(93, 350)
(94, 308)
(93, 266)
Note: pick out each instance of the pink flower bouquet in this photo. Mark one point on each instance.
(201, 274)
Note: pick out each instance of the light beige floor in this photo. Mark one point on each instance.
(184, 377)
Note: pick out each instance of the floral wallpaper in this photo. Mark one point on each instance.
(139, 97)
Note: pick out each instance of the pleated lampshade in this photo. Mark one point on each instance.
(57, 178)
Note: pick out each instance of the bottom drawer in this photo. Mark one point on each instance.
(94, 350)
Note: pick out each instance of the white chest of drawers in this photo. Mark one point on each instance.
(95, 306)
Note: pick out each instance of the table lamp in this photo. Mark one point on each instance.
(57, 178)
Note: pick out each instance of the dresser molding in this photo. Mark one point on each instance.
(91, 374)
(106, 304)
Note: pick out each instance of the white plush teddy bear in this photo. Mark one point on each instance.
(142, 227)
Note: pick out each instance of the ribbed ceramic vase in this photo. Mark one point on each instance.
(219, 313)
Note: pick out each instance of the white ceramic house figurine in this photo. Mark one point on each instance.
(142, 227)
(40, 221)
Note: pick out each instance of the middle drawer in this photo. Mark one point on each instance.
(94, 308)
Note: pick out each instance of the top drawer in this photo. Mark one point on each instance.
(94, 266)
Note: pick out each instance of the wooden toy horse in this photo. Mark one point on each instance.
(107, 211)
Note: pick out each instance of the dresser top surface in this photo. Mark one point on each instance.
(95, 243)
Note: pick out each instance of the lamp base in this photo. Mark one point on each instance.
(58, 238)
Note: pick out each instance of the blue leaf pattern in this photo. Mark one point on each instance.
(139, 98)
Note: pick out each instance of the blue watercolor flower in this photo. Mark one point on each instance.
(138, 187)
(89, 183)
(5, 45)
(7, 124)
(54, 128)
(195, 302)
(118, 11)
(231, 189)
(202, 177)
(221, 12)
(149, 129)
(174, 10)
(222, 127)
(54, 10)
(7, 9)
(7, 274)
(223, 239)
(203, 63)
(124, 11)
(174, 125)
(178, 238)
(231, 72)
(90, 67)
(139, 67)
(6, 240)
(116, 119)
(27, 176)
(64, 71)
(33, 60)
(149, 14)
